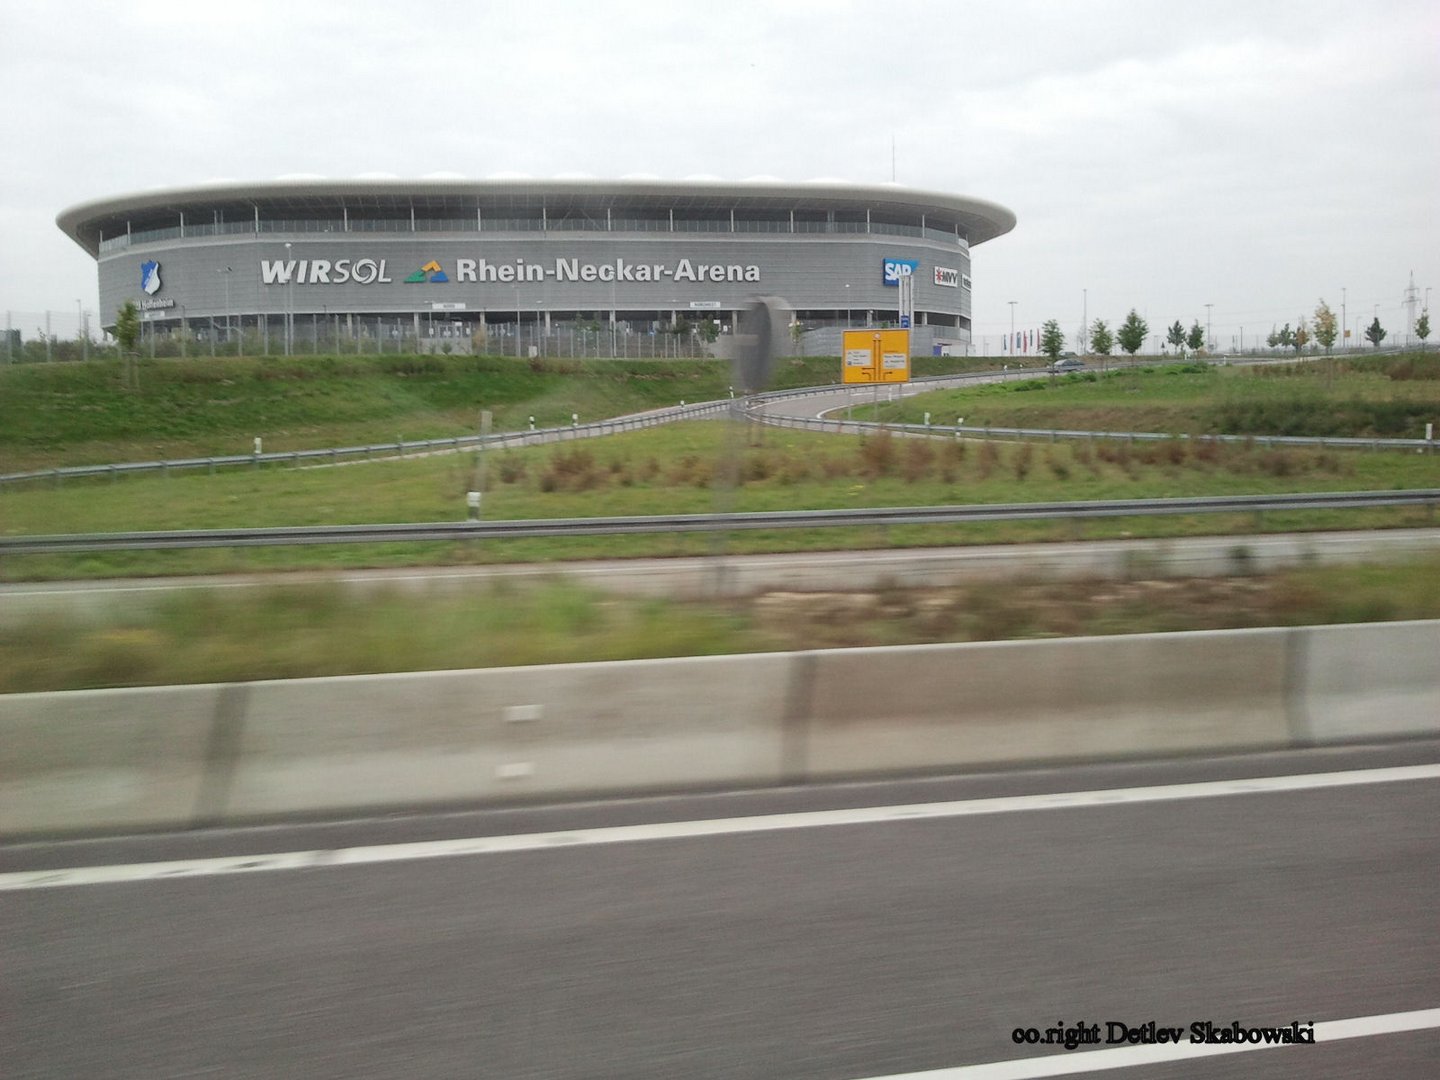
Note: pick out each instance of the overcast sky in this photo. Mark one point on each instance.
(1255, 156)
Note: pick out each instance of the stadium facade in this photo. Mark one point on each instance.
(458, 262)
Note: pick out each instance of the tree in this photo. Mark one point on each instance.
(1284, 337)
(1422, 325)
(127, 326)
(1375, 333)
(1052, 340)
(1326, 328)
(1176, 336)
(1131, 334)
(127, 333)
(709, 331)
(1301, 336)
(1196, 338)
(1101, 339)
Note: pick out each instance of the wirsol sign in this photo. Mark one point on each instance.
(377, 271)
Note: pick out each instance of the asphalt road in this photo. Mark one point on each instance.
(830, 951)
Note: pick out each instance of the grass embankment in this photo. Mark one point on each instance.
(1369, 397)
(237, 635)
(80, 413)
(674, 470)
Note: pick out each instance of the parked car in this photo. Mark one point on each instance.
(1072, 363)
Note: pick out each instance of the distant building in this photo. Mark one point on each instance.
(453, 259)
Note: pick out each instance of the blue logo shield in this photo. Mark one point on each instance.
(150, 277)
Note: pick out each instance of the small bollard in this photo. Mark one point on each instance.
(472, 503)
(257, 444)
(574, 419)
(532, 423)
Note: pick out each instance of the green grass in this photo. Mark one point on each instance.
(673, 470)
(79, 413)
(1373, 397)
(309, 630)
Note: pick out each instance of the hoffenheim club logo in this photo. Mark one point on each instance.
(150, 277)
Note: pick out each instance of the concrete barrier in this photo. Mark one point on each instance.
(314, 745)
(1371, 681)
(112, 759)
(954, 705)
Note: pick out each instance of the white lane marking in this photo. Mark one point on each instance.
(1090, 1061)
(689, 830)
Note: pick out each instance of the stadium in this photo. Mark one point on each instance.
(505, 264)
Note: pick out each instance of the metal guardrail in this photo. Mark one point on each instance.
(400, 448)
(690, 523)
(860, 427)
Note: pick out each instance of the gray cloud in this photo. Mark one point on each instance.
(1251, 156)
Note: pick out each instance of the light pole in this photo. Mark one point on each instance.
(80, 331)
(225, 271)
(1209, 340)
(1084, 322)
(290, 298)
(1010, 345)
(1344, 321)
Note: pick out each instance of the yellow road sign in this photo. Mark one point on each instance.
(874, 356)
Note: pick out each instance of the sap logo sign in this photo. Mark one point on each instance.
(895, 269)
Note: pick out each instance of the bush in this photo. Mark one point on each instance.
(877, 454)
(511, 468)
(1024, 460)
(989, 459)
(919, 458)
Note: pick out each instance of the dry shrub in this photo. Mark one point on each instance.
(919, 458)
(759, 466)
(1024, 461)
(989, 459)
(572, 470)
(1280, 463)
(877, 454)
(511, 468)
(690, 469)
(794, 470)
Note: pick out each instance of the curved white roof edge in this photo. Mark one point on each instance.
(985, 219)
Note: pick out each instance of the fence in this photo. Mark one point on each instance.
(58, 335)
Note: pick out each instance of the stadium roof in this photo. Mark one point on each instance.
(979, 219)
